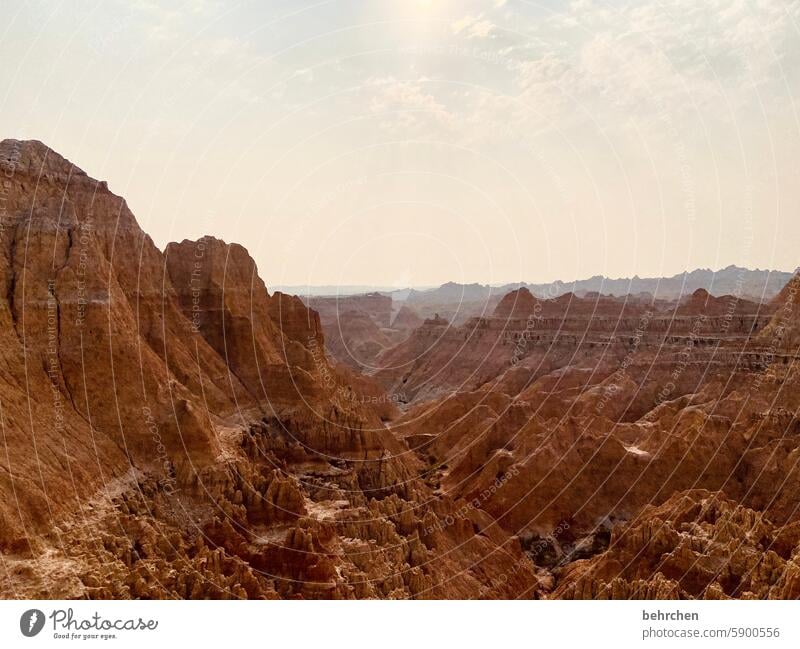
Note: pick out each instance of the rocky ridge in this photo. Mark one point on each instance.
(173, 430)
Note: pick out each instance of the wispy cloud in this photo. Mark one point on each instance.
(636, 63)
(473, 26)
(410, 104)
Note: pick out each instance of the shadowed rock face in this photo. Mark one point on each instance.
(698, 544)
(375, 305)
(358, 328)
(172, 430)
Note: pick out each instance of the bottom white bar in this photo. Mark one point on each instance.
(399, 624)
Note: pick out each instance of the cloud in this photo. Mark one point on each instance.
(719, 40)
(677, 58)
(481, 29)
(413, 106)
(473, 27)
(630, 69)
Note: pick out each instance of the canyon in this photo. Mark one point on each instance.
(635, 446)
(173, 429)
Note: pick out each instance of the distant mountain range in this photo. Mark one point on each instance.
(304, 290)
(734, 280)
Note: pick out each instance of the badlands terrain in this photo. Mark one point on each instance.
(172, 429)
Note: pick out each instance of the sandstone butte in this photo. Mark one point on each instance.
(173, 430)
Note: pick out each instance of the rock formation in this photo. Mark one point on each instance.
(358, 328)
(698, 544)
(172, 430)
(565, 420)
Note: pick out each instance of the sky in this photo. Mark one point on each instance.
(414, 142)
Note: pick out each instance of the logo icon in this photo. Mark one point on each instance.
(31, 622)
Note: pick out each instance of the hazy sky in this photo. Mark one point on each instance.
(400, 142)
